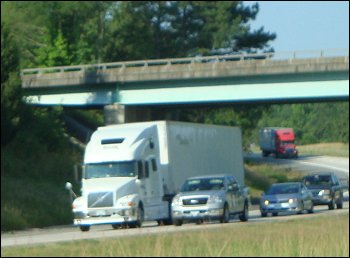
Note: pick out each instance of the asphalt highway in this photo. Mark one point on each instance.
(69, 233)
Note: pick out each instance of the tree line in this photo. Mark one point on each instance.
(54, 33)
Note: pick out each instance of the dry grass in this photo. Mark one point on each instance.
(316, 236)
(325, 149)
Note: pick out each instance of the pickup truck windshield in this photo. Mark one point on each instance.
(203, 184)
(324, 180)
(115, 169)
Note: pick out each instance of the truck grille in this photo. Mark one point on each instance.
(195, 201)
(100, 199)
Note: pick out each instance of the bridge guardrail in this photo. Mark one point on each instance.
(190, 60)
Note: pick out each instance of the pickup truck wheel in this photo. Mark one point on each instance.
(84, 228)
(311, 210)
(225, 215)
(331, 204)
(244, 215)
(177, 222)
(340, 204)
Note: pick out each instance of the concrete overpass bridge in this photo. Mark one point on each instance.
(130, 88)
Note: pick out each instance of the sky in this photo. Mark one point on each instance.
(304, 25)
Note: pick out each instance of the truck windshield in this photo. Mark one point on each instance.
(203, 184)
(286, 142)
(324, 180)
(115, 169)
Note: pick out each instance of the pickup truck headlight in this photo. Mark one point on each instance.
(176, 201)
(324, 192)
(215, 199)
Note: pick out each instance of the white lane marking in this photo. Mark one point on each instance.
(326, 166)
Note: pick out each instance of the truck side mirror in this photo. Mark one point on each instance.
(69, 186)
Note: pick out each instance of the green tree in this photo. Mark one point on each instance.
(10, 86)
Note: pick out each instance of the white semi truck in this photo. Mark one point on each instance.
(132, 171)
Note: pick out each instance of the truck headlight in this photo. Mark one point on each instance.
(176, 201)
(324, 192)
(78, 204)
(215, 199)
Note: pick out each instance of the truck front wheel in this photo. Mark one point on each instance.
(244, 215)
(84, 228)
(225, 215)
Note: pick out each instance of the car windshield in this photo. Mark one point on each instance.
(203, 184)
(283, 189)
(324, 180)
(113, 169)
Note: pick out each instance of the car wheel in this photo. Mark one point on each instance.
(274, 213)
(225, 215)
(302, 207)
(311, 210)
(200, 221)
(244, 215)
(263, 214)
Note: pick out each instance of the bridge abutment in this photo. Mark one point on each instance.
(120, 114)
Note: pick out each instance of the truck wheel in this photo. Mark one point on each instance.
(225, 215)
(116, 226)
(177, 222)
(140, 216)
(84, 228)
(331, 204)
(340, 204)
(311, 210)
(244, 215)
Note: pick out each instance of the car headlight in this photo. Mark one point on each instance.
(290, 201)
(324, 192)
(215, 199)
(266, 202)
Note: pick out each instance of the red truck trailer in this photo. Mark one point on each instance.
(279, 141)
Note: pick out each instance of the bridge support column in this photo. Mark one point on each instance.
(114, 114)
(120, 114)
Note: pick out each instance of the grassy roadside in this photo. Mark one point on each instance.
(318, 237)
(335, 149)
(325, 149)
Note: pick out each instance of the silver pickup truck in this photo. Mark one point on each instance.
(210, 197)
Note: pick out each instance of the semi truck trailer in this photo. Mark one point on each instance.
(131, 172)
(278, 141)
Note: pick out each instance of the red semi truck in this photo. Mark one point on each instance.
(278, 141)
